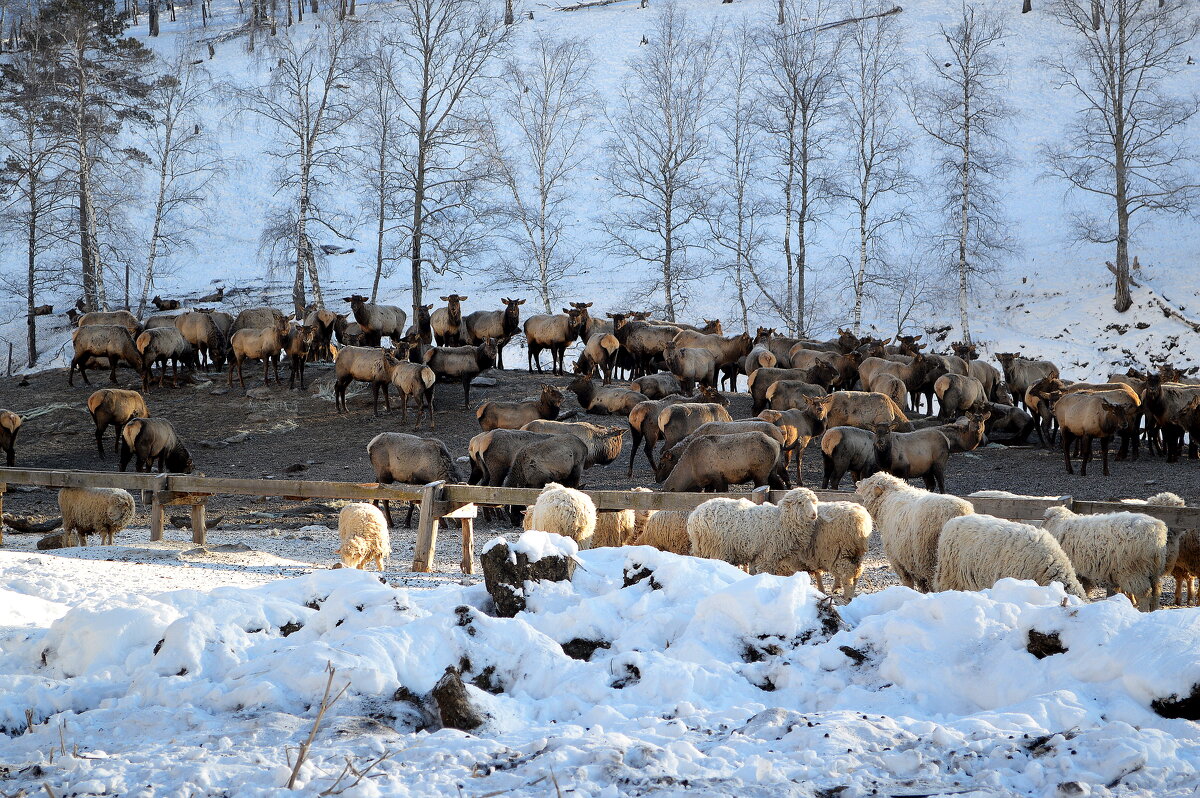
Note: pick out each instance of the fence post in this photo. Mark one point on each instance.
(427, 529)
(3, 487)
(761, 495)
(198, 529)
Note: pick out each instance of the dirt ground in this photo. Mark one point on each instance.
(282, 433)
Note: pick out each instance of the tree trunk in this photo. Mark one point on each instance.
(801, 238)
(780, 20)
(1027, 6)
(860, 278)
(965, 213)
(667, 266)
(1096, 14)
(30, 283)
(788, 261)
(382, 211)
(298, 297)
(508, 12)
(153, 8)
(418, 225)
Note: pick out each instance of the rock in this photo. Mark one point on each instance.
(579, 648)
(238, 437)
(260, 393)
(295, 468)
(1044, 644)
(219, 391)
(505, 576)
(484, 382)
(1186, 707)
(453, 703)
(213, 444)
(55, 541)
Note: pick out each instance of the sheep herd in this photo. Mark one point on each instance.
(854, 395)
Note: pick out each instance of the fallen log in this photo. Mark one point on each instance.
(27, 526)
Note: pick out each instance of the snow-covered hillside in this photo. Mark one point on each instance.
(1052, 297)
(702, 681)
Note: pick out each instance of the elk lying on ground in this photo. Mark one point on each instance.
(165, 304)
(515, 415)
(462, 363)
(499, 325)
(604, 400)
(657, 386)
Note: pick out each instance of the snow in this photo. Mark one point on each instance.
(1052, 298)
(711, 680)
(535, 545)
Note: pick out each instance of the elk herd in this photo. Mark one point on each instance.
(858, 397)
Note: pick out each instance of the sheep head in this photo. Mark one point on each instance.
(798, 507)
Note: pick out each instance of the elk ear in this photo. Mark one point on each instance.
(444, 298)
(885, 342)
(585, 304)
(520, 301)
(462, 299)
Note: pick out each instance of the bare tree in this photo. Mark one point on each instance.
(659, 152)
(546, 103)
(962, 109)
(307, 99)
(182, 158)
(446, 48)
(878, 147)
(1129, 147)
(34, 179)
(801, 85)
(739, 206)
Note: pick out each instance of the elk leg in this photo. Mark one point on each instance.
(1104, 442)
(1067, 439)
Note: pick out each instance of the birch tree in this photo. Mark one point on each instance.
(547, 102)
(307, 99)
(659, 153)
(962, 110)
(1129, 146)
(34, 179)
(447, 49)
(800, 94)
(182, 159)
(876, 162)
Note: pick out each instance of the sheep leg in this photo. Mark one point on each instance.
(816, 575)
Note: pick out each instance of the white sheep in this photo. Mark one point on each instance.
(567, 512)
(1175, 542)
(910, 520)
(94, 511)
(1119, 551)
(976, 551)
(619, 527)
(838, 546)
(364, 533)
(666, 530)
(760, 536)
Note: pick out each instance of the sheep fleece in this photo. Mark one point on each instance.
(364, 534)
(567, 512)
(976, 551)
(1125, 551)
(95, 511)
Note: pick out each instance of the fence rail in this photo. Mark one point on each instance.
(440, 500)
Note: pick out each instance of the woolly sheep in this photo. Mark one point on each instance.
(1120, 551)
(619, 528)
(364, 534)
(760, 536)
(838, 546)
(910, 520)
(666, 530)
(94, 511)
(567, 512)
(1176, 541)
(976, 551)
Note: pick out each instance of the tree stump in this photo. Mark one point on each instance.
(505, 576)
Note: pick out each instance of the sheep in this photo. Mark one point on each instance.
(364, 536)
(757, 536)
(714, 462)
(154, 439)
(203, 333)
(604, 443)
(837, 544)
(364, 364)
(976, 551)
(760, 382)
(1181, 545)
(515, 415)
(10, 425)
(861, 409)
(298, 344)
(412, 380)
(555, 333)
(792, 394)
(103, 318)
(162, 345)
(677, 421)
(463, 363)
(565, 512)
(264, 345)
(260, 318)
(112, 342)
(657, 386)
(847, 449)
(322, 322)
(116, 407)
(499, 325)
(603, 400)
(94, 511)
(409, 459)
(956, 394)
(165, 304)
(691, 365)
(447, 322)
(666, 530)
(1119, 551)
(375, 320)
(909, 521)
(1085, 416)
(620, 527)
(800, 426)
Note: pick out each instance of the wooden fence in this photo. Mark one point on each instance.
(440, 500)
